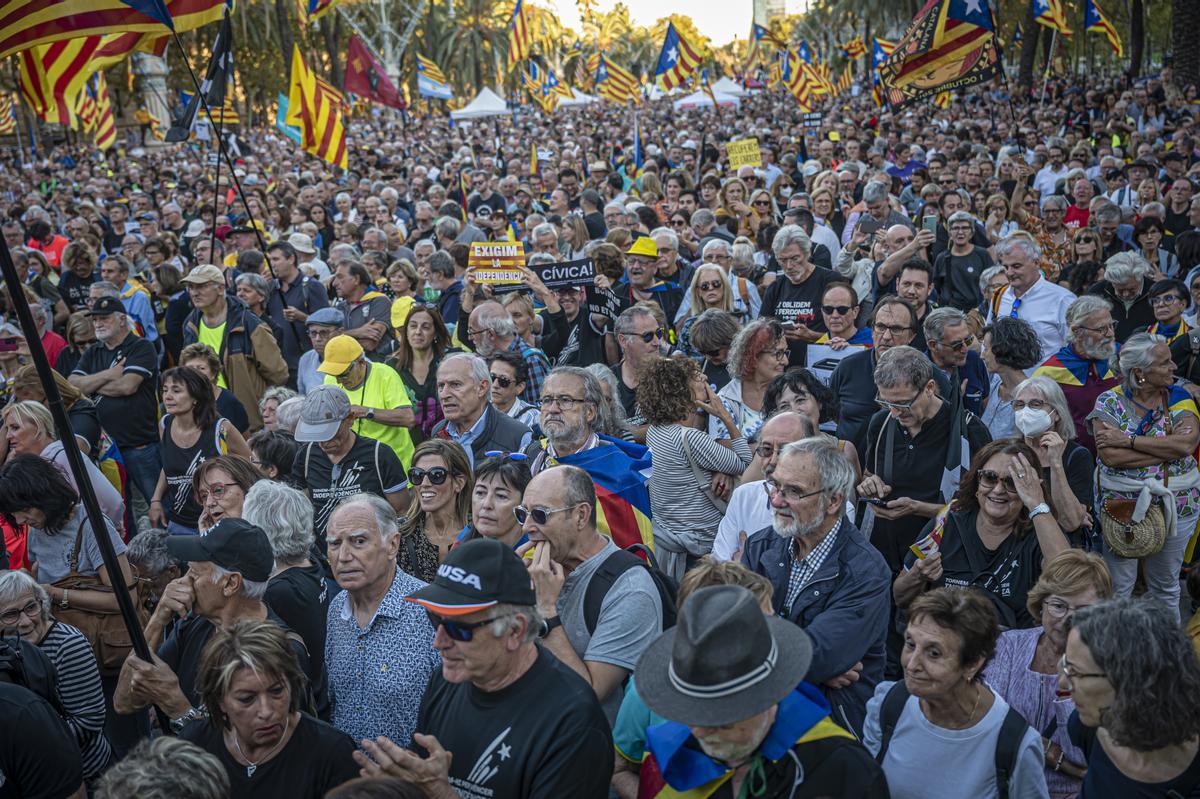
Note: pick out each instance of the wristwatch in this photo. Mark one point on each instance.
(370, 414)
(549, 624)
(1038, 510)
(193, 714)
(63, 604)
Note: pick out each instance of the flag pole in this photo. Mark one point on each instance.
(220, 142)
(66, 435)
(1049, 63)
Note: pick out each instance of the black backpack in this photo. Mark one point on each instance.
(26, 665)
(1008, 745)
(613, 567)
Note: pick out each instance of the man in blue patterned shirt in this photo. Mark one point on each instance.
(378, 648)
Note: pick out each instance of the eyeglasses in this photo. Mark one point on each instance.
(31, 610)
(898, 406)
(1036, 404)
(512, 456)
(790, 493)
(561, 400)
(1164, 299)
(1068, 671)
(539, 515)
(437, 475)
(840, 310)
(779, 355)
(461, 631)
(504, 382)
(678, 223)
(958, 345)
(1060, 608)
(716, 284)
(216, 491)
(891, 330)
(650, 335)
(1111, 327)
(473, 333)
(988, 480)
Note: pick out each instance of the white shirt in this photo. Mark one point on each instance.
(749, 511)
(1044, 306)
(1047, 179)
(824, 235)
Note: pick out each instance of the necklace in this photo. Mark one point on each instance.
(251, 766)
(970, 718)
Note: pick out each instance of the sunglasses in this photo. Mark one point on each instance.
(716, 284)
(764, 203)
(840, 310)
(958, 345)
(651, 335)
(512, 456)
(988, 480)
(437, 475)
(539, 515)
(461, 631)
(504, 382)
(679, 222)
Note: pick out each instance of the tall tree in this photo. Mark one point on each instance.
(1029, 42)
(1185, 33)
(283, 24)
(331, 31)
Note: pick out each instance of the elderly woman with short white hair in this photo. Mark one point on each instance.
(1146, 432)
(25, 611)
(1127, 287)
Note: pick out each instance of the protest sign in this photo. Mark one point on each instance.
(496, 262)
(562, 274)
(743, 153)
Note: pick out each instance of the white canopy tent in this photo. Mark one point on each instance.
(700, 99)
(486, 104)
(727, 86)
(578, 98)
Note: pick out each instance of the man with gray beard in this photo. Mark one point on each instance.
(827, 577)
(570, 405)
(1082, 367)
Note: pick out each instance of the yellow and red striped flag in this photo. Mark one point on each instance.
(855, 48)
(845, 80)
(224, 116)
(677, 60)
(520, 35)
(616, 84)
(1052, 14)
(52, 75)
(1094, 21)
(8, 114)
(316, 108)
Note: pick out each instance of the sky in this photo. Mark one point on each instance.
(719, 20)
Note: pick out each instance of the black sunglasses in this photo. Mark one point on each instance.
(716, 284)
(437, 475)
(840, 310)
(650, 336)
(462, 631)
(504, 382)
(539, 515)
(988, 479)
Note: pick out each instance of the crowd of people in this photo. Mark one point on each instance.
(867, 470)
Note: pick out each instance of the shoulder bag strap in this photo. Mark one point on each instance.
(74, 561)
(1008, 750)
(889, 715)
(720, 504)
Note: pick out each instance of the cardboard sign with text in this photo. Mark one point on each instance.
(497, 262)
(743, 153)
(562, 275)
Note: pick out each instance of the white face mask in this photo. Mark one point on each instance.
(1032, 421)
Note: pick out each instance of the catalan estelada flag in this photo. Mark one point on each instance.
(1094, 21)
(855, 48)
(677, 60)
(950, 45)
(762, 43)
(1051, 14)
(27, 23)
(614, 83)
(520, 35)
(618, 470)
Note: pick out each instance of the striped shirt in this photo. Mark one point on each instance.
(80, 693)
(804, 569)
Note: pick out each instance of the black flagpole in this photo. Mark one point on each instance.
(66, 435)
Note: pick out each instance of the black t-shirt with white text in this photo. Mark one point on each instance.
(75, 289)
(369, 467)
(132, 421)
(542, 737)
(799, 303)
(317, 758)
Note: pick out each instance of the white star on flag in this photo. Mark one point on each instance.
(672, 55)
(973, 7)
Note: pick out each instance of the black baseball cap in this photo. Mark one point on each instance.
(233, 544)
(106, 306)
(477, 575)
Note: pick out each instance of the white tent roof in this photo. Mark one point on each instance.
(579, 98)
(699, 99)
(727, 86)
(486, 104)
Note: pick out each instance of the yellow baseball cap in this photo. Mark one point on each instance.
(340, 352)
(644, 245)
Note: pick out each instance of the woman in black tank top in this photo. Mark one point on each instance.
(192, 432)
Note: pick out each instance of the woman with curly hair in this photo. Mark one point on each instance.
(758, 354)
(1135, 681)
(686, 513)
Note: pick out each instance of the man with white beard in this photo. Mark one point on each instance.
(827, 577)
(726, 679)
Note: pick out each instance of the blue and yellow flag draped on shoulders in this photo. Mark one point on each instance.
(1067, 368)
(950, 45)
(673, 770)
(619, 470)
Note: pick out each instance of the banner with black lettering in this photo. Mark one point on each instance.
(560, 275)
